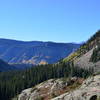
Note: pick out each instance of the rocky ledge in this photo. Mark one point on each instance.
(50, 89)
(89, 90)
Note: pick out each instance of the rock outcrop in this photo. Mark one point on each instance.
(90, 90)
(49, 89)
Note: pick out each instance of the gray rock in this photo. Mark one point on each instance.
(46, 88)
(90, 90)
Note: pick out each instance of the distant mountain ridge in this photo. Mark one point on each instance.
(34, 52)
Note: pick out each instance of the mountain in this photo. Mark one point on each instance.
(34, 52)
(5, 67)
(80, 64)
(88, 55)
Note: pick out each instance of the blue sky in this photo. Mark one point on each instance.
(49, 20)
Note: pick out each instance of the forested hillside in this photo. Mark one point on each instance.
(5, 67)
(12, 83)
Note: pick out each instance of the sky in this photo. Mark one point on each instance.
(49, 20)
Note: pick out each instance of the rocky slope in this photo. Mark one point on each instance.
(88, 55)
(84, 61)
(34, 52)
(50, 89)
(70, 90)
(90, 90)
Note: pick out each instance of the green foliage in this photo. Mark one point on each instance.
(39, 98)
(98, 98)
(96, 55)
(70, 58)
(96, 35)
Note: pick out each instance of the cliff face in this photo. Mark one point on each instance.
(90, 90)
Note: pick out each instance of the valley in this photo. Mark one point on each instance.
(60, 78)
